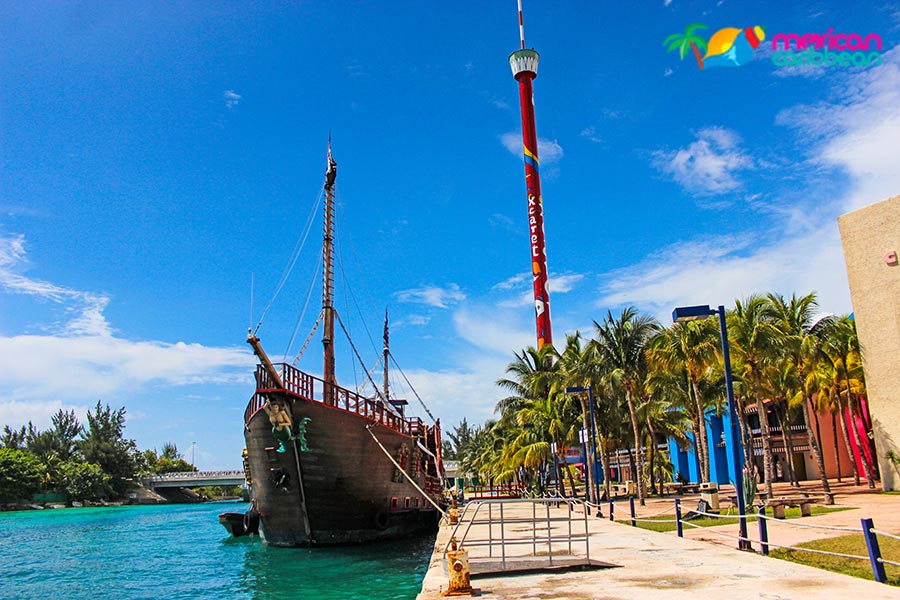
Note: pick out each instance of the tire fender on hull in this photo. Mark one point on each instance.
(381, 519)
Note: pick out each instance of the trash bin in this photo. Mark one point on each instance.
(629, 488)
(709, 493)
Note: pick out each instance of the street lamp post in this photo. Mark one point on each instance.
(583, 438)
(593, 455)
(192, 454)
(553, 449)
(693, 313)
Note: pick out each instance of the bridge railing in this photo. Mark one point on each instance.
(195, 475)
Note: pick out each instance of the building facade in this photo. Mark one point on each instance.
(871, 239)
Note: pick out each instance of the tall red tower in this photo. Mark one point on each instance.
(524, 64)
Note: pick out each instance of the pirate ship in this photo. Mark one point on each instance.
(329, 465)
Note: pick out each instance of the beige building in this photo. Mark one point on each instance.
(871, 238)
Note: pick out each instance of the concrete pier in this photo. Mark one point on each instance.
(646, 565)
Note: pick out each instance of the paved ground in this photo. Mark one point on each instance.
(652, 565)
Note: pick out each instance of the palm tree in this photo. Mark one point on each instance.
(672, 408)
(755, 340)
(536, 410)
(579, 367)
(664, 417)
(779, 382)
(530, 375)
(794, 320)
(543, 421)
(826, 383)
(687, 39)
(622, 345)
(842, 346)
(691, 346)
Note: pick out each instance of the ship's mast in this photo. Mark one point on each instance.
(328, 281)
(524, 65)
(386, 357)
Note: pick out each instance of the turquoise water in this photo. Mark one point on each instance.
(181, 551)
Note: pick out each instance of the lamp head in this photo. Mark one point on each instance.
(683, 314)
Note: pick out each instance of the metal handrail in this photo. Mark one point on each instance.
(472, 510)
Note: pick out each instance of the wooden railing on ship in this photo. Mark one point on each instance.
(312, 389)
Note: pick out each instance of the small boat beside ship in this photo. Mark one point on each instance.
(240, 524)
(329, 465)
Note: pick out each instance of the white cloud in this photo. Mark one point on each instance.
(719, 270)
(501, 221)
(414, 320)
(563, 283)
(860, 133)
(556, 284)
(16, 413)
(87, 307)
(590, 133)
(90, 367)
(549, 151)
(491, 330)
(516, 281)
(433, 295)
(708, 165)
(455, 394)
(232, 98)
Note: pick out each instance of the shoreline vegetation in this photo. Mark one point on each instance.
(70, 465)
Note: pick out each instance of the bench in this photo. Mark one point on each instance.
(681, 488)
(622, 489)
(804, 502)
(668, 488)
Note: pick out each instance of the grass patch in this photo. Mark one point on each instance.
(847, 544)
(659, 523)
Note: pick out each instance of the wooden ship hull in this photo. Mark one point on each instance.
(334, 483)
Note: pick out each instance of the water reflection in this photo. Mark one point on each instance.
(384, 570)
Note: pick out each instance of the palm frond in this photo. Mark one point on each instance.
(694, 27)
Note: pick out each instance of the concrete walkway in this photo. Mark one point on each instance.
(656, 565)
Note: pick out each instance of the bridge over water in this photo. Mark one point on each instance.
(191, 479)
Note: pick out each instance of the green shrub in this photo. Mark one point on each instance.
(21, 475)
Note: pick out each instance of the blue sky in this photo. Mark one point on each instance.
(154, 157)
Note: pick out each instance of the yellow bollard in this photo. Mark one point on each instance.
(458, 568)
(453, 512)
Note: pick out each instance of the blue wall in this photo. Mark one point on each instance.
(721, 470)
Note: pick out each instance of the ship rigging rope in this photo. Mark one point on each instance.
(308, 338)
(415, 393)
(359, 358)
(309, 292)
(345, 280)
(359, 390)
(403, 471)
(298, 247)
